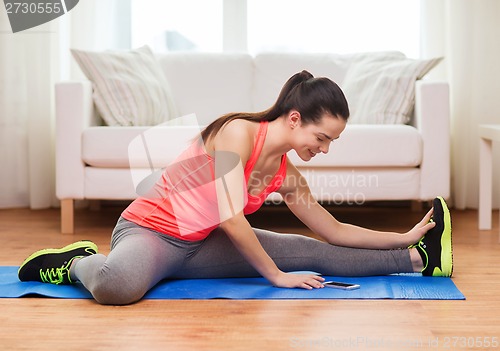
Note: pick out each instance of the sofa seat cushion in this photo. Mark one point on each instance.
(135, 147)
(370, 146)
(143, 147)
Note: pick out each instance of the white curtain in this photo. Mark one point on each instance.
(31, 61)
(27, 71)
(466, 33)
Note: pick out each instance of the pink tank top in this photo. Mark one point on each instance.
(183, 202)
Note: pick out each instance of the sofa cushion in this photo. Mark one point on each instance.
(129, 87)
(358, 146)
(135, 147)
(370, 146)
(381, 89)
(209, 84)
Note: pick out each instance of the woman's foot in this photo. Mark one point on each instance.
(52, 265)
(435, 247)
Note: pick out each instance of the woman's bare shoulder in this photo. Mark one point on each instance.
(237, 135)
(242, 127)
(239, 130)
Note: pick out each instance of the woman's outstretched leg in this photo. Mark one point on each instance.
(218, 257)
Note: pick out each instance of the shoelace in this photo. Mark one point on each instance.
(57, 275)
(53, 275)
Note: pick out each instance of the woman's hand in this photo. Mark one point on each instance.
(420, 229)
(304, 281)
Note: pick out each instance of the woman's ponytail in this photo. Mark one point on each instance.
(279, 107)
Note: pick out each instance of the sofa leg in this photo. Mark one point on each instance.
(67, 216)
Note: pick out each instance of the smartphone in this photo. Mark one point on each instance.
(339, 285)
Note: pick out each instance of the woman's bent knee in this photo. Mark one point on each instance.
(110, 293)
(112, 288)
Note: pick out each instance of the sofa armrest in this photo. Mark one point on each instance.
(74, 113)
(432, 119)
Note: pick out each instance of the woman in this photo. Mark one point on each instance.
(191, 224)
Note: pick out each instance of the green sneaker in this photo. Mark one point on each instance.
(435, 247)
(52, 265)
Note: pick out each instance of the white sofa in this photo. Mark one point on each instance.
(369, 162)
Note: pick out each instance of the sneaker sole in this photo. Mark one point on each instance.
(446, 244)
(74, 246)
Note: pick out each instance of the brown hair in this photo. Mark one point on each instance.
(311, 97)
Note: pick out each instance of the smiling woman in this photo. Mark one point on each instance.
(194, 225)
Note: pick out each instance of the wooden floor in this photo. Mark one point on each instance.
(53, 324)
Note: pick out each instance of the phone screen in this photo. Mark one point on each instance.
(340, 285)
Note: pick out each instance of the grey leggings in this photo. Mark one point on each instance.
(141, 257)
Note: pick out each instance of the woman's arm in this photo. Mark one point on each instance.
(244, 239)
(298, 197)
(232, 147)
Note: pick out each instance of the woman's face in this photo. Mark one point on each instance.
(311, 139)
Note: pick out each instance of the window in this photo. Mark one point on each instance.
(173, 25)
(338, 26)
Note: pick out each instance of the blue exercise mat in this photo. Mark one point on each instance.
(404, 286)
